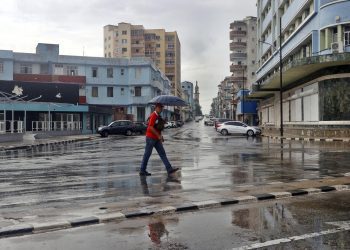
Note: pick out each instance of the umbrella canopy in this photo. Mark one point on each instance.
(168, 100)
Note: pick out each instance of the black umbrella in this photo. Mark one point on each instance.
(168, 100)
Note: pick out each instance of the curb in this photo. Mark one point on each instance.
(308, 139)
(32, 146)
(24, 229)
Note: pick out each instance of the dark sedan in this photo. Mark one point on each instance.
(122, 127)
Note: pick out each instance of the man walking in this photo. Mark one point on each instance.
(154, 139)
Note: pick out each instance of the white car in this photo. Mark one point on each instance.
(237, 127)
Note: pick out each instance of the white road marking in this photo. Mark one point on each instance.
(341, 227)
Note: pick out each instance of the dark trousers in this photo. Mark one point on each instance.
(158, 145)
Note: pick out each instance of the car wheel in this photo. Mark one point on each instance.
(104, 134)
(224, 132)
(128, 132)
(250, 132)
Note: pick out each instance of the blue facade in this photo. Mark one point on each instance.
(323, 22)
(113, 88)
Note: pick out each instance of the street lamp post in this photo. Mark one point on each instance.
(243, 93)
(280, 69)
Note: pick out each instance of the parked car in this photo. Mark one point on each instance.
(219, 121)
(121, 127)
(140, 128)
(209, 122)
(237, 127)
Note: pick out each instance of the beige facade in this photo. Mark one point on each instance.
(164, 48)
(243, 51)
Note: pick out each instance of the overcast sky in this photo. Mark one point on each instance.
(77, 25)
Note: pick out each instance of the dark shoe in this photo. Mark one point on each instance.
(145, 173)
(173, 170)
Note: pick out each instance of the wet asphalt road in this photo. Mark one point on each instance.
(233, 227)
(106, 169)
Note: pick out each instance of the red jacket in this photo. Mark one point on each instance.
(152, 120)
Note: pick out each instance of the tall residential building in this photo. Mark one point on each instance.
(163, 47)
(315, 46)
(243, 65)
(187, 87)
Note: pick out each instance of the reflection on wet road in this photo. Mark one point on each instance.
(311, 222)
(106, 169)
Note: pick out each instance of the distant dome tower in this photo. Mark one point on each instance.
(196, 94)
(197, 107)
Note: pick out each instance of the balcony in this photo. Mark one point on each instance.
(49, 78)
(234, 68)
(237, 55)
(237, 24)
(238, 45)
(237, 33)
(238, 78)
(298, 70)
(293, 9)
(267, 20)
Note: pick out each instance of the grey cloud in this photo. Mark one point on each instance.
(202, 26)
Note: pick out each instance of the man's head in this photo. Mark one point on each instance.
(159, 108)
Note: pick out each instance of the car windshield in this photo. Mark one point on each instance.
(112, 124)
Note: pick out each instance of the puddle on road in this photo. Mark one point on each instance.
(229, 227)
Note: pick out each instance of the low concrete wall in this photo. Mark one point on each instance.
(8, 137)
(310, 132)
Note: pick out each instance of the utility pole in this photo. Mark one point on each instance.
(243, 92)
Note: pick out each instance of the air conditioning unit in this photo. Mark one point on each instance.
(337, 47)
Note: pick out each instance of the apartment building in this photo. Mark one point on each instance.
(313, 39)
(163, 47)
(243, 65)
(187, 89)
(90, 91)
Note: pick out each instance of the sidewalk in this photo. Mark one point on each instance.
(26, 144)
(296, 138)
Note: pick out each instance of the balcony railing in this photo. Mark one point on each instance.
(238, 45)
(238, 55)
(15, 127)
(234, 68)
(237, 33)
(237, 24)
(238, 78)
(55, 126)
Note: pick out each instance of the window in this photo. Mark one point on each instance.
(109, 72)
(137, 50)
(109, 91)
(72, 70)
(124, 32)
(122, 91)
(94, 92)
(124, 41)
(122, 72)
(346, 35)
(124, 50)
(137, 91)
(1, 67)
(25, 68)
(171, 46)
(94, 72)
(158, 45)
